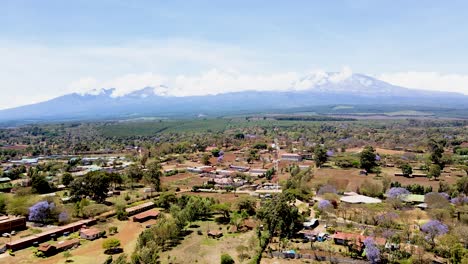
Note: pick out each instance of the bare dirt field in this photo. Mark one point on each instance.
(184, 181)
(354, 179)
(378, 150)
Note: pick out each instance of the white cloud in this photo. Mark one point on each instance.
(428, 81)
(213, 81)
(34, 73)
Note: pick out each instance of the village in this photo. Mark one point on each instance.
(344, 211)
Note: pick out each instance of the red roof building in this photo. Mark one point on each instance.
(145, 216)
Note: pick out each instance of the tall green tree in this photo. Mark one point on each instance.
(153, 175)
(67, 178)
(39, 184)
(94, 184)
(280, 217)
(406, 169)
(436, 149)
(134, 173)
(434, 171)
(320, 156)
(367, 158)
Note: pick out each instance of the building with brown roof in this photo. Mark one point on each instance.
(47, 235)
(145, 216)
(49, 249)
(8, 224)
(355, 241)
(90, 233)
(139, 208)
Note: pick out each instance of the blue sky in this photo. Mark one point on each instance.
(50, 48)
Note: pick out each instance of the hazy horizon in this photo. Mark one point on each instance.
(51, 48)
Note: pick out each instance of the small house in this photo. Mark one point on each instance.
(291, 157)
(47, 249)
(90, 233)
(67, 244)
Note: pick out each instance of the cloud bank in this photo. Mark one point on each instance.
(433, 81)
(33, 73)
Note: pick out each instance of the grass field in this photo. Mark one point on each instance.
(197, 248)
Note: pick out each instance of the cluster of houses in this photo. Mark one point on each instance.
(141, 213)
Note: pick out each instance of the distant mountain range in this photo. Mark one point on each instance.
(311, 90)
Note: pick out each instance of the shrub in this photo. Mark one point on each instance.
(226, 259)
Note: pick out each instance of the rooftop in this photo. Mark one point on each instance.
(139, 207)
(90, 231)
(413, 198)
(356, 199)
(153, 213)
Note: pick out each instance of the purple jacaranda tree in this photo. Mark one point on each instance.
(377, 157)
(326, 189)
(432, 229)
(461, 200)
(386, 219)
(220, 158)
(397, 192)
(445, 195)
(372, 251)
(63, 217)
(330, 153)
(41, 211)
(324, 205)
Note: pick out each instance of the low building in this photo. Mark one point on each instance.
(61, 246)
(26, 161)
(145, 216)
(47, 249)
(258, 172)
(239, 168)
(359, 199)
(413, 198)
(49, 234)
(139, 208)
(8, 224)
(355, 240)
(291, 157)
(67, 244)
(90, 233)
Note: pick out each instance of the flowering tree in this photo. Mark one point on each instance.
(432, 229)
(371, 250)
(63, 217)
(324, 205)
(377, 157)
(386, 219)
(326, 189)
(436, 200)
(397, 192)
(41, 211)
(330, 153)
(461, 200)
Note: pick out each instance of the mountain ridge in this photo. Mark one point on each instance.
(318, 89)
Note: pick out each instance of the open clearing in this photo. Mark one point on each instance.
(197, 248)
